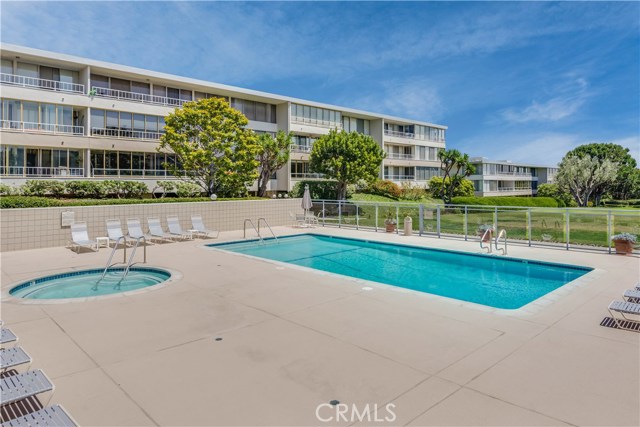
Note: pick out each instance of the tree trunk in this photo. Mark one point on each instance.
(263, 178)
(341, 188)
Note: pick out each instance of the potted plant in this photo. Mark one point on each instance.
(390, 223)
(482, 232)
(624, 243)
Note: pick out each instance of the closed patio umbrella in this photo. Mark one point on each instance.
(306, 200)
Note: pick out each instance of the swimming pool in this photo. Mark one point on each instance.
(499, 282)
(84, 283)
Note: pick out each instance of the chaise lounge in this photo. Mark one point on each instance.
(200, 229)
(80, 237)
(625, 307)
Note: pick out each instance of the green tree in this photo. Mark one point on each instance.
(347, 158)
(213, 147)
(616, 154)
(455, 167)
(273, 154)
(438, 186)
(554, 191)
(582, 175)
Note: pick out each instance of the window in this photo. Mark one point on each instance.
(112, 120)
(75, 159)
(60, 158)
(120, 84)
(186, 95)
(48, 114)
(256, 111)
(151, 123)
(139, 87)
(27, 70)
(138, 122)
(7, 66)
(97, 119)
(65, 116)
(159, 90)
(321, 116)
(49, 73)
(99, 81)
(173, 93)
(426, 173)
(68, 76)
(30, 112)
(125, 120)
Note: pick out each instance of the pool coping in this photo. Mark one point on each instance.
(532, 307)
(175, 276)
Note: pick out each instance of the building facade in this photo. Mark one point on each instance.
(505, 178)
(66, 117)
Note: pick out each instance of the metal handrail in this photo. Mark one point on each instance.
(115, 248)
(269, 227)
(502, 232)
(489, 230)
(254, 227)
(133, 252)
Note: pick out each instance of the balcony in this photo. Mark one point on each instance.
(307, 175)
(40, 172)
(132, 173)
(527, 174)
(138, 97)
(126, 134)
(30, 127)
(32, 82)
(316, 122)
(400, 156)
(409, 135)
(400, 177)
(511, 189)
(301, 148)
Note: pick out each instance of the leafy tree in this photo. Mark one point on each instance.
(627, 185)
(213, 147)
(455, 167)
(346, 158)
(274, 153)
(554, 191)
(582, 175)
(438, 186)
(616, 154)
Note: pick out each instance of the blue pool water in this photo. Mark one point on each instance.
(499, 282)
(82, 284)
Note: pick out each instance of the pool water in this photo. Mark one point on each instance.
(500, 282)
(84, 283)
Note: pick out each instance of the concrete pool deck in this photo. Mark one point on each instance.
(293, 339)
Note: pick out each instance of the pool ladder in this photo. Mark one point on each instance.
(128, 263)
(257, 230)
(502, 233)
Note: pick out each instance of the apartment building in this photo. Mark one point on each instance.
(505, 178)
(66, 117)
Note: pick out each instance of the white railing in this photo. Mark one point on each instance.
(410, 135)
(126, 134)
(398, 156)
(301, 148)
(316, 122)
(528, 174)
(41, 172)
(16, 126)
(34, 82)
(505, 189)
(137, 97)
(400, 177)
(307, 175)
(142, 173)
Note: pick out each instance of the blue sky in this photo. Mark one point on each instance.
(521, 81)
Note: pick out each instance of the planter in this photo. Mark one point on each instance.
(623, 247)
(390, 228)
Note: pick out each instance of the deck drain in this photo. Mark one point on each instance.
(334, 402)
(218, 339)
(367, 288)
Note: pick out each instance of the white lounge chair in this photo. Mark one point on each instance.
(52, 416)
(6, 336)
(631, 295)
(624, 307)
(135, 232)
(12, 357)
(175, 230)
(200, 229)
(80, 237)
(156, 231)
(299, 219)
(114, 231)
(21, 386)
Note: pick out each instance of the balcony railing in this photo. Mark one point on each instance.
(514, 174)
(307, 175)
(508, 189)
(126, 134)
(316, 122)
(40, 172)
(301, 148)
(16, 80)
(399, 156)
(16, 126)
(138, 97)
(410, 135)
(141, 173)
(400, 177)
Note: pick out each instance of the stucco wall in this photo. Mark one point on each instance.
(41, 227)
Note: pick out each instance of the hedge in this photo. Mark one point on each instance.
(14, 202)
(540, 202)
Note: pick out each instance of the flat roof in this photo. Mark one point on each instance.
(507, 162)
(27, 53)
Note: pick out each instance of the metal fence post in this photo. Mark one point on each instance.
(357, 217)
(420, 219)
(438, 220)
(466, 223)
(495, 219)
(376, 218)
(609, 230)
(567, 226)
(339, 213)
(529, 225)
(397, 219)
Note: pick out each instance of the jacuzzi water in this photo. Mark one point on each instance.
(84, 283)
(495, 281)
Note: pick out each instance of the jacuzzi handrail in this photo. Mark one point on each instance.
(115, 248)
(133, 252)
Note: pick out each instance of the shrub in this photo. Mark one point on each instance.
(411, 192)
(187, 189)
(132, 189)
(7, 190)
(543, 202)
(37, 188)
(384, 188)
(14, 202)
(437, 186)
(85, 189)
(325, 189)
(165, 186)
